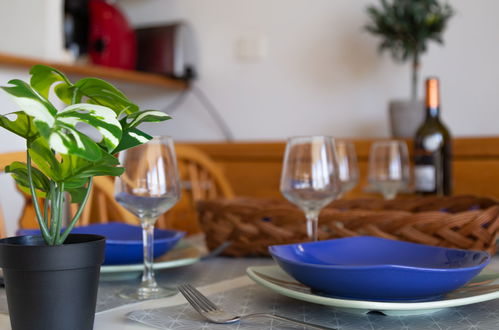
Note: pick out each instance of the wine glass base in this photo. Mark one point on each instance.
(145, 293)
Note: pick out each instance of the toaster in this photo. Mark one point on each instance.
(169, 50)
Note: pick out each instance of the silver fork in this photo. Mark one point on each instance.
(212, 312)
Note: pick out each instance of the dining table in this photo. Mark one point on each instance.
(224, 280)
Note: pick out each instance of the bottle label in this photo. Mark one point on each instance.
(425, 176)
(432, 142)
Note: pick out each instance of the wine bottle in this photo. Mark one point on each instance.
(432, 148)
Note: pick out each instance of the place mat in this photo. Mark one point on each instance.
(200, 274)
(205, 272)
(253, 298)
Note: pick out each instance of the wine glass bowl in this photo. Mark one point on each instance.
(148, 188)
(309, 176)
(389, 167)
(348, 169)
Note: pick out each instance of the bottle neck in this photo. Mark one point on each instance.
(432, 99)
(432, 112)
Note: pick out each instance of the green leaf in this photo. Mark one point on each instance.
(64, 92)
(65, 137)
(33, 104)
(77, 195)
(100, 170)
(79, 169)
(67, 140)
(21, 125)
(70, 164)
(60, 129)
(134, 119)
(27, 191)
(103, 119)
(75, 183)
(43, 77)
(76, 188)
(19, 172)
(45, 160)
(103, 93)
(132, 137)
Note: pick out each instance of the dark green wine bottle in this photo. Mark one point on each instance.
(432, 148)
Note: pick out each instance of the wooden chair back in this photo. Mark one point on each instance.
(102, 207)
(201, 179)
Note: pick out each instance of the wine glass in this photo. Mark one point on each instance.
(309, 176)
(148, 188)
(389, 167)
(348, 169)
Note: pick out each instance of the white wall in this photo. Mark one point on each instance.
(33, 28)
(322, 73)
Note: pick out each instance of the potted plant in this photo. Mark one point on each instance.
(51, 281)
(405, 28)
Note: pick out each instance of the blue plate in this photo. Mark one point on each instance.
(372, 268)
(124, 242)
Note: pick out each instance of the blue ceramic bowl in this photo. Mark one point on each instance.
(124, 242)
(372, 268)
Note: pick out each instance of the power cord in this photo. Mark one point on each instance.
(207, 105)
(179, 99)
(212, 110)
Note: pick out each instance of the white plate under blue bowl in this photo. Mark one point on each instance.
(373, 268)
(124, 241)
(182, 254)
(483, 287)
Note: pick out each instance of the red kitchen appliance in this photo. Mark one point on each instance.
(111, 39)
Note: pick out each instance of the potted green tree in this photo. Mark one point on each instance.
(405, 28)
(51, 281)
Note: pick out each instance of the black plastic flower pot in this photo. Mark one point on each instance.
(52, 287)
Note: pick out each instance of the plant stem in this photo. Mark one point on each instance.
(60, 206)
(68, 229)
(39, 217)
(54, 205)
(75, 93)
(53, 198)
(46, 206)
(415, 76)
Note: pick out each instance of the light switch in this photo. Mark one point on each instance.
(251, 48)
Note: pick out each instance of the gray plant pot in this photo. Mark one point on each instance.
(405, 117)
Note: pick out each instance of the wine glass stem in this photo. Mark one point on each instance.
(312, 225)
(148, 279)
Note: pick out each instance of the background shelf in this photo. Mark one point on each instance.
(100, 72)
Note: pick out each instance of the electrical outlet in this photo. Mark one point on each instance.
(251, 48)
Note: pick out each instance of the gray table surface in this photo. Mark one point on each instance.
(199, 274)
(252, 297)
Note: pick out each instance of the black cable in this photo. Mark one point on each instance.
(179, 99)
(206, 103)
(212, 110)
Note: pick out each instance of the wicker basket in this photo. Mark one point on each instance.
(251, 225)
